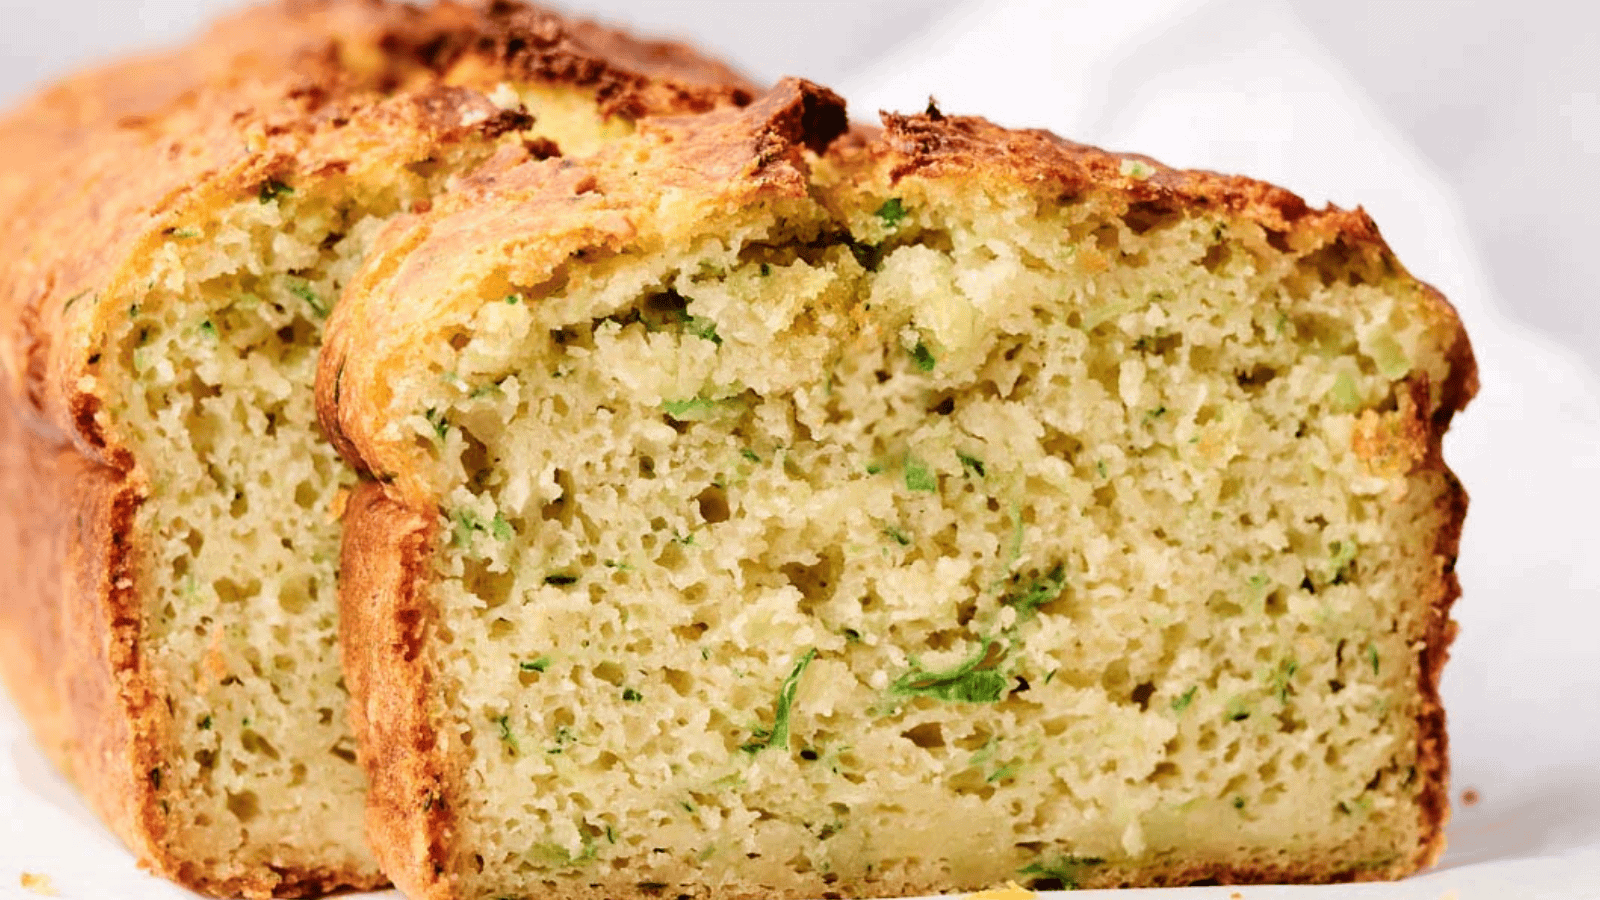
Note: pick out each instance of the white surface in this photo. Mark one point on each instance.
(1242, 85)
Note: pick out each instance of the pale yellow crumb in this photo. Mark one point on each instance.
(1450, 895)
(39, 884)
(885, 500)
(1012, 891)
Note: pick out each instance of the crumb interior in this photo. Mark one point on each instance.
(834, 545)
(210, 360)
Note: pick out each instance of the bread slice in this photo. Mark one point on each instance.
(175, 230)
(954, 506)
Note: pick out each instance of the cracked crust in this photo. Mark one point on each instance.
(93, 171)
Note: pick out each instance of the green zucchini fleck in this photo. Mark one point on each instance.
(1182, 701)
(272, 189)
(778, 734)
(303, 290)
(506, 736)
(892, 212)
(969, 682)
(972, 464)
(919, 477)
(1039, 592)
(1066, 870)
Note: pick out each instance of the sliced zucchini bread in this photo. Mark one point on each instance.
(761, 508)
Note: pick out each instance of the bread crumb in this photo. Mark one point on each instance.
(1012, 891)
(1470, 797)
(1235, 896)
(39, 884)
(1450, 895)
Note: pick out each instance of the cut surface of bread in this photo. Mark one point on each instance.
(952, 506)
(177, 230)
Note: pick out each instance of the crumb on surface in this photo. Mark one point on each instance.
(1470, 797)
(1012, 891)
(39, 884)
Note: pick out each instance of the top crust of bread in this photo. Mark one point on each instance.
(95, 172)
(421, 281)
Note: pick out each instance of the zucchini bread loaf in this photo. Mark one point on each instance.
(174, 232)
(760, 509)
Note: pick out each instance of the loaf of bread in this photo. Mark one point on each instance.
(173, 233)
(761, 509)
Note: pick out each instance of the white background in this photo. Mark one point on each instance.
(1471, 132)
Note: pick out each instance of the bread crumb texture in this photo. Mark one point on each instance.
(214, 363)
(219, 350)
(923, 530)
(216, 215)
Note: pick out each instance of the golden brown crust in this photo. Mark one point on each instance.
(385, 620)
(67, 624)
(93, 171)
(488, 41)
(1433, 751)
(1407, 444)
(933, 145)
